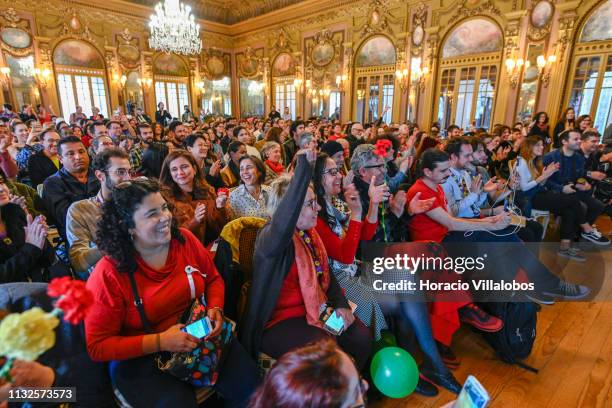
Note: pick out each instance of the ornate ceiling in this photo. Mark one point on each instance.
(228, 11)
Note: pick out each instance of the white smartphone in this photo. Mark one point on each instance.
(200, 328)
(472, 395)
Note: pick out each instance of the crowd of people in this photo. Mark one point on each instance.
(136, 204)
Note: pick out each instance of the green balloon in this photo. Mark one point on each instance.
(394, 372)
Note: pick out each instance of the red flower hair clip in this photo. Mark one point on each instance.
(382, 147)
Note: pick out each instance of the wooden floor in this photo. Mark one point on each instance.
(573, 351)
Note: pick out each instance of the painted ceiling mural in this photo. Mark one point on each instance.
(229, 11)
(473, 37)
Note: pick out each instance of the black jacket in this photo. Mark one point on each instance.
(61, 190)
(19, 261)
(152, 160)
(274, 255)
(163, 117)
(40, 167)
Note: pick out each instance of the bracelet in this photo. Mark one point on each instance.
(158, 339)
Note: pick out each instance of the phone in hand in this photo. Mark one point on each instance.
(200, 328)
(472, 395)
(331, 321)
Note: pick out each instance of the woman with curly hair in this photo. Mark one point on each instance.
(193, 201)
(318, 375)
(146, 253)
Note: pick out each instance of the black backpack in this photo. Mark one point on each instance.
(514, 341)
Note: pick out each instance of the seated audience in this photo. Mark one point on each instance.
(439, 225)
(73, 182)
(317, 375)
(250, 198)
(194, 203)
(153, 151)
(230, 174)
(570, 180)
(292, 280)
(25, 252)
(110, 167)
(146, 253)
(241, 134)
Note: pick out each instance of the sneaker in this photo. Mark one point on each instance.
(448, 356)
(570, 253)
(475, 316)
(595, 237)
(425, 388)
(569, 291)
(540, 298)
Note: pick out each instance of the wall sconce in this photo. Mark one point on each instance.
(297, 83)
(5, 76)
(341, 81)
(514, 68)
(544, 67)
(418, 74)
(119, 80)
(200, 87)
(42, 76)
(360, 94)
(145, 82)
(402, 78)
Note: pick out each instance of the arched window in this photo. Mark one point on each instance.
(468, 74)
(80, 76)
(375, 79)
(591, 85)
(283, 74)
(171, 77)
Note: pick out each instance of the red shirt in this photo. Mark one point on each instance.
(113, 327)
(344, 249)
(421, 226)
(290, 303)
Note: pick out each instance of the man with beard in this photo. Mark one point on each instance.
(73, 182)
(152, 153)
(110, 167)
(177, 132)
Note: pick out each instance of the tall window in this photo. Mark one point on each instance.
(174, 95)
(466, 96)
(387, 97)
(285, 96)
(334, 101)
(82, 90)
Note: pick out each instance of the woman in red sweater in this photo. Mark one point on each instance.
(341, 229)
(139, 237)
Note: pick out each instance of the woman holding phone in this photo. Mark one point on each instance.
(292, 283)
(168, 267)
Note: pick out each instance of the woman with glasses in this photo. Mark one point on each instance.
(292, 284)
(25, 252)
(341, 229)
(318, 375)
(198, 144)
(146, 253)
(194, 202)
(250, 198)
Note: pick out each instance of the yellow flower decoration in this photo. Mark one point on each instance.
(27, 335)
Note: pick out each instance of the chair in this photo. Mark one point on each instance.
(543, 217)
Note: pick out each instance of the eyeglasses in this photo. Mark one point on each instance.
(312, 204)
(333, 171)
(382, 167)
(124, 172)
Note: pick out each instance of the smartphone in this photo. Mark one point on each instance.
(200, 328)
(472, 395)
(331, 322)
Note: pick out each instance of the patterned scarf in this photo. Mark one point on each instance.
(338, 220)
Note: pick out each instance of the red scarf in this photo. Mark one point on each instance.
(278, 167)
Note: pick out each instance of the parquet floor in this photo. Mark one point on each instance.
(573, 352)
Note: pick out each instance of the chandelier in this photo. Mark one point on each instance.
(173, 29)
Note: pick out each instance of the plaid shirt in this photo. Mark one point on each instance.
(136, 157)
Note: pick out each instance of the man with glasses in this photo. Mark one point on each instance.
(356, 136)
(111, 167)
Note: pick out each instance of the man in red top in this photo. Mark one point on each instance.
(439, 225)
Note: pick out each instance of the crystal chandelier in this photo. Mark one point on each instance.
(173, 29)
